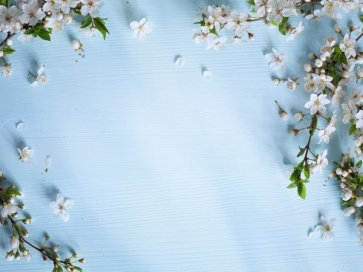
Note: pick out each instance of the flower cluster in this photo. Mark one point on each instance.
(10, 209)
(275, 14)
(327, 78)
(32, 18)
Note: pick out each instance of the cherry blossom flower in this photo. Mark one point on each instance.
(40, 78)
(91, 7)
(61, 207)
(216, 42)
(7, 70)
(32, 13)
(8, 17)
(317, 104)
(349, 111)
(347, 45)
(276, 60)
(66, 5)
(14, 242)
(141, 28)
(326, 228)
(325, 134)
(346, 194)
(8, 209)
(238, 22)
(26, 154)
(321, 162)
(295, 33)
(290, 84)
(52, 6)
(316, 16)
(359, 117)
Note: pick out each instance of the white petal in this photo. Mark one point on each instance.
(54, 205)
(142, 21)
(68, 203)
(60, 199)
(41, 70)
(206, 75)
(65, 216)
(134, 25)
(48, 160)
(20, 126)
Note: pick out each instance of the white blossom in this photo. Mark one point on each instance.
(325, 134)
(317, 104)
(326, 228)
(359, 201)
(26, 154)
(141, 28)
(321, 162)
(7, 70)
(346, 194)
(359, 117)
(290, 84)
(276, 60)
(238, 22)
(295, 33)
(32, 13)
(66, 5)
(349, 111)
(14, 242)
(8, 209)
(347, 45)
(217, 42)
(61, 207)
(91, 7)
(41, 78)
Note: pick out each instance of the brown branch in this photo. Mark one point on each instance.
(9, 36)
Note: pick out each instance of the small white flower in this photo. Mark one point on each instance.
(27, 256)
(141, 28)
(207, 75)
(41, 78)
(26, 38)
(347, 45)
(26, 154)
(295, 33)
(307, 67)
(325, 134)
(14, 242)
(8, 210)
(317, 104)
(7, 70)
(32, 13)
(349, 211)
(61, 207)
(91, 7)
(359, 117)
(326, 228)
(321, 162)
(290, 84)
(276, 60)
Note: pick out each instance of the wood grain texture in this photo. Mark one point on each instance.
(168, 172)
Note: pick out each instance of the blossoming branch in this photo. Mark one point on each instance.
(214, 19)
(35, 18)
(19, 245)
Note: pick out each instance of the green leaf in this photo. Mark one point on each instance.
(29, 31)
(100, 25)
(295, 176)
(282, 29)
(343, 59)
(359, 164)
(8, 50)
(86, 22)
(214, 31)
(12, 192)
(78, 268)
(302, 151)
(292, 185)
(4, 3)
(305, 181)
(300, 167)
(44, 34)
(352, 129)
(251, 2)
(337, 49)
(301, 190)
(253, 10)
(307, 171)
(77, 12)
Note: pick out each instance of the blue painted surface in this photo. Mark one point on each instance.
(168, 172)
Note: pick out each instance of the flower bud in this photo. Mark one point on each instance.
(338, 171)
(284, 115)
(21, 206)
(350, 171)
(294, 132)
(251, 36)
(359, 219)
(360, 72)
(9, 256)
(74, 255)
(277, 81)
(14, 242)
(60, 16)
(322, 71)
(317, 71)
(55, 249)
(322, 76)
(346, 194)
(338, 28)
(351, 28)
(345, 174)
(318, 63)
(323, 58)
(9, 42)
(343, 185)
(312, 56)
(47, 238)
(17, 255)
(346, 74)
(359, 201)
(298, 116)
(307, 67)
(76, 45)
(332, 174)
(349, 211)
(1, 53)
(82, 260)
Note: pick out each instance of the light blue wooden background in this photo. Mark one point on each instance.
(168, 172)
